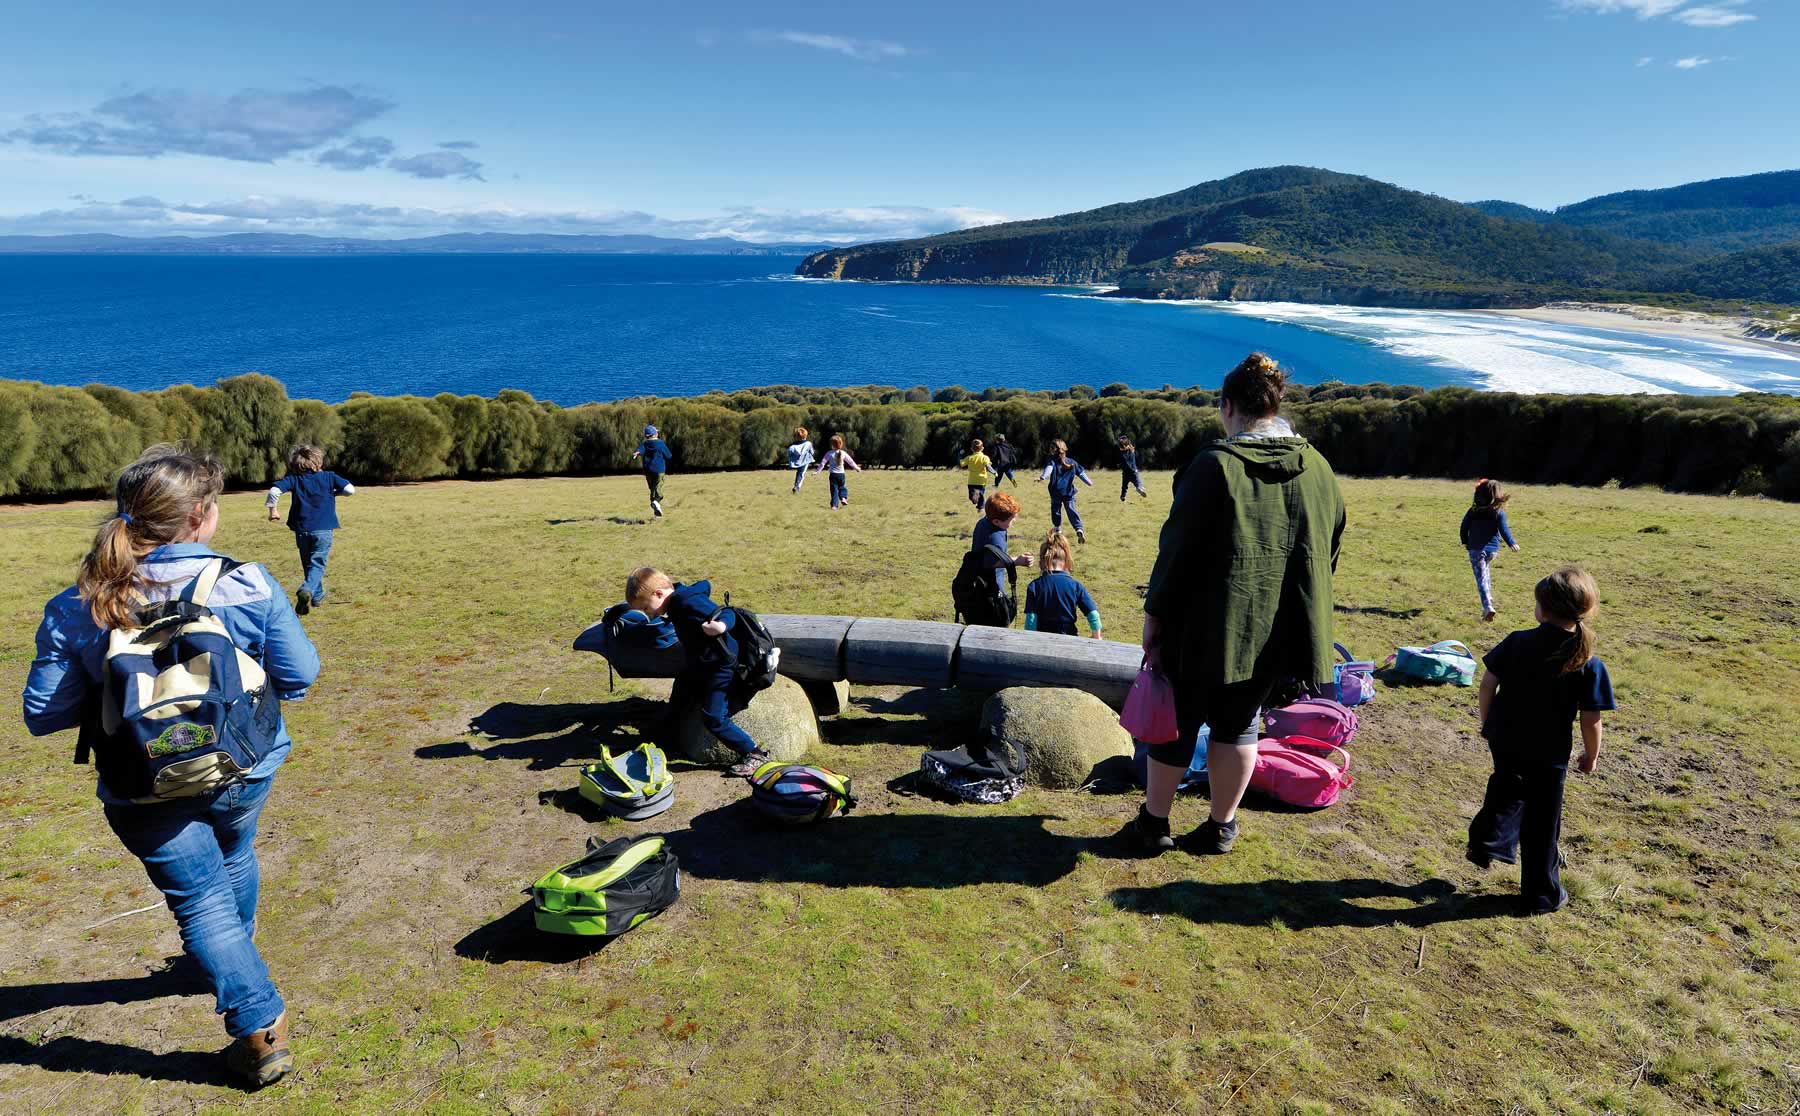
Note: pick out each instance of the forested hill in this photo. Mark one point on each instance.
(1758, 274)
(1722, 214)
(1281, 233)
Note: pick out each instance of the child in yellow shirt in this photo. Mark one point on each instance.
(980, 468)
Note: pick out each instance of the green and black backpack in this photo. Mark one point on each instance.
(617, 885)
(633, 785)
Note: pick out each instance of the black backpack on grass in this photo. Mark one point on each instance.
(758, 658)
(975, 590)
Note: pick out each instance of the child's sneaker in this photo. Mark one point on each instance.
(656, 506)
(1478, 857)
(1488, 617)
(1079, 537)
(1151, 832)
(746, 767)
(1213, 839)
(303, 602)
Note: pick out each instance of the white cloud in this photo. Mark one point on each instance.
(1643, 9)
(865, 50)
(1692, 62)
(149, 216)
(254, 125)
(1713, 15)
(1645, 60)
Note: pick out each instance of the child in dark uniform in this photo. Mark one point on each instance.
(1538, 681)
(1056, 600)
(1128, 469)
(705, 633)
(654, 452)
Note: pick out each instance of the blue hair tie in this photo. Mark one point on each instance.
(126, 516)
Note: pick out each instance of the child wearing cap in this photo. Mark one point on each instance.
(655, 454)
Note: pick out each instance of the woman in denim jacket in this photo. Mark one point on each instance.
(197, 851)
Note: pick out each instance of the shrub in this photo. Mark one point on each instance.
(18, 436)
(393, 439)
(318, 424)
(79, 445)
(244, 421)
(955, 393)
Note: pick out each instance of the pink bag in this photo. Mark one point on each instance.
(1294, 770)
(1315, 718)
(1149, 713)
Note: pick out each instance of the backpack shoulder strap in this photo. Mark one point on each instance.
(199, 590)
(1006, 563)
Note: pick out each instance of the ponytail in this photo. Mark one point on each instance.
(1570, 595)
(155, 497)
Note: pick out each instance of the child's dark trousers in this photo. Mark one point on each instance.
(1521, 821)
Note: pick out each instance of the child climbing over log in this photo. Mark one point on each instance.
(705, 633)
(1056, 600)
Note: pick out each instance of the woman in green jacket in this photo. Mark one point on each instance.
(1240, 597)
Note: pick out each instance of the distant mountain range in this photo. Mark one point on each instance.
(297, 244)
(1302, 234)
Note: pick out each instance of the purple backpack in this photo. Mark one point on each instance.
(1354, 680)
(1315, 718)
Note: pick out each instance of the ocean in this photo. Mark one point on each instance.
(575, 329)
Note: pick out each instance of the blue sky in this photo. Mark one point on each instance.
(841, 122)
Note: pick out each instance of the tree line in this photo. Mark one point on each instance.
(64, 441)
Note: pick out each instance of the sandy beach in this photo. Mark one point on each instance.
(1654, 319)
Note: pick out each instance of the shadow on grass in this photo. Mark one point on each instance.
(68, 1054)
(1309, 904)
(936, 850)
(521, 732)
(514, 937)
(180, 978)
(1378, 610)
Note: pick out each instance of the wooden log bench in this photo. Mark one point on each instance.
(928, 654)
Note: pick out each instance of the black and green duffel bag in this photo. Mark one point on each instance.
(614, 887)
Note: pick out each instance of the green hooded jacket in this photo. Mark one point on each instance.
(1242, 584)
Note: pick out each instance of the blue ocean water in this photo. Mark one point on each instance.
(579, 328)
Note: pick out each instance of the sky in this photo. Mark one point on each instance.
(839, 122)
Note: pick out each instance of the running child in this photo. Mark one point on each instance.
(1483, 527)
(656, 456)
(1128, 469)
(836, 460)
(1538, 683)
(313, 517)
(1005, 457)
(1055, 600)
(800, 456)
(705, 633)
(979, 468)
(1062, 472)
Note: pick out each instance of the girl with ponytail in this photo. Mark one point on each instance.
(198, 851)
(1538, 683)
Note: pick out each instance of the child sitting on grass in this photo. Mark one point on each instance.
(1483, 526)
(705, 633)
(1538, 681)
(836, 460)
(313, 517)
(1055, 600)
(979, 468)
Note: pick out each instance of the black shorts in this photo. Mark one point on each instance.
(1229, 711)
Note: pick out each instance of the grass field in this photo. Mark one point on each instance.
(918, 957)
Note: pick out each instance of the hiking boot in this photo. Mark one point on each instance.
(1151, 832)
(1214, 839)
(303, 602)
(746, 767)
(261, 1058)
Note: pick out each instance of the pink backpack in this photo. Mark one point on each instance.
(1294, 770)
(1315, 718)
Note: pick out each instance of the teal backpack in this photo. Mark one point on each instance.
(1447, 660)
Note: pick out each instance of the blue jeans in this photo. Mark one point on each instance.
(840, 492)
(709, 689)
(315, 547)
(1057, 504)
(200, 853)
(1482, 562)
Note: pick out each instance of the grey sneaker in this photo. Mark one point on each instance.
(746, 767)
(1213, 839)
(1151, 832)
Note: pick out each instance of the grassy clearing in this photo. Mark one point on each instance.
(919, 957)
